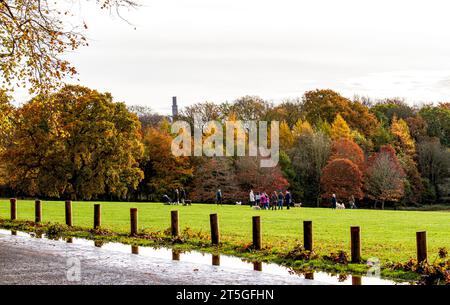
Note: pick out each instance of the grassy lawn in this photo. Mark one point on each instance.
(388, 235)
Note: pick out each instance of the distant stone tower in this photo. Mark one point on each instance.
(174, 107)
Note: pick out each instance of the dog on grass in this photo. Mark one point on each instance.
(256, 207)
(340, 206)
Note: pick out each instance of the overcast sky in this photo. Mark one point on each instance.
(218, 50)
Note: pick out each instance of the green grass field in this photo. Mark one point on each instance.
(388, 235)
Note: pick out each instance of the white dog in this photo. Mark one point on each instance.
(238, 203)
(340, 206)
(256, 207)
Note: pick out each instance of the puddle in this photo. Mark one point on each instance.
(220, 260)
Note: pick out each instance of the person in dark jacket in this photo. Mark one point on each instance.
(166, 199)
(333, 201)
(280, 200)
(219, 197)
(183, 195)
(274, 200)
(177, 196)
(288, 199)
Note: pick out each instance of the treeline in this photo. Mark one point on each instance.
(79, 144)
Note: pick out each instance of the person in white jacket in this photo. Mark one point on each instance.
(252, 198)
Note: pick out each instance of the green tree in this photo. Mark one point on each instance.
(309, 156)
(387, 109)
(438, 121)
(434, 163)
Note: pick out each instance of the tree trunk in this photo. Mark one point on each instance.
(382, 205)
(375, 205)
(436, 191)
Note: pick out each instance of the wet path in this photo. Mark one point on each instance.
(39, 261)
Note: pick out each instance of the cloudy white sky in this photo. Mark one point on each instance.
(218, 50)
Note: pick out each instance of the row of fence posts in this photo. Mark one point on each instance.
(355, 233)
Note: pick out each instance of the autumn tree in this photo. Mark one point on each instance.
(384, 176)
(417, 127)
(301, 127)
(403, 141)
(286, 137)
(250, 108)
(212, 173)
(76, 144)
(405, 147)
(348, 149)
(250, 175)
(340, 129)
(324, 105)
(309, 155)
(162, 170)
(288, 111)
(6, 112)
(34, 37)
(343, 178)
(5, 119)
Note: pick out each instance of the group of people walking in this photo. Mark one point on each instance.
(336, 205)
(179, 196)
(274, 201)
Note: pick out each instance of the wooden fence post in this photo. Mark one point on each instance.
(133, 221)
(215, 235)
(307, 235)
(356, 280)
(37, 211)
(97, 216)
(421, 240)
(355, 244)
(257, 241)
(175, 227)
(69, 213)
(13, 206)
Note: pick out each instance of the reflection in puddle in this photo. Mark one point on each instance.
(356, 280)
(215, 260)
(220, 260)
(257, 266)
(135, 249)
(175, 255)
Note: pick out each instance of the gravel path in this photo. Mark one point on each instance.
(25, 260)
